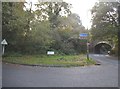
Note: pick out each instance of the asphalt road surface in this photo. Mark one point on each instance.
(104, 75)
(0, 73)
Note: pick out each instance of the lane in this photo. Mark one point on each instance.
(105, 75)
(105, 59)
(0, 74)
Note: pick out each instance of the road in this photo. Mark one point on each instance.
(0, 73)
(104, 75)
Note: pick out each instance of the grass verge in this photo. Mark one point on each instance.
(51, 60)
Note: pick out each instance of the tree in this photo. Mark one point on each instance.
(52, 10)
(105, 25)
(51, 26)
(13, 24)
(63, 24)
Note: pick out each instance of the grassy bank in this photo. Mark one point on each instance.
(55, 60)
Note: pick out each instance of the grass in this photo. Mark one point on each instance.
(51, 60)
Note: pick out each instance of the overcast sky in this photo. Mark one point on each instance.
(82, 8)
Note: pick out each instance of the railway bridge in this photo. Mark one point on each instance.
(102, 47)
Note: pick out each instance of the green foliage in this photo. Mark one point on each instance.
(105, 27)
(31, 31)
(14, 54)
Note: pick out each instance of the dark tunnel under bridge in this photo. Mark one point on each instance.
(102, 48)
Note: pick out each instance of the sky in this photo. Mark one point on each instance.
(82, 8)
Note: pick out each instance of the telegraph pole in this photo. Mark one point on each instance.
(118, 29)
(119, 15)
(119, 34)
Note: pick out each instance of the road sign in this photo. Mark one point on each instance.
(50, 52)
(83, 35)
(4, 42)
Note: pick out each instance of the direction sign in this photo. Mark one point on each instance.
(83, 35)
(83, 38)
(4, 42)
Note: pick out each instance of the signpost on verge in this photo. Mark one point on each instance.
(85, 36)
(4, 42)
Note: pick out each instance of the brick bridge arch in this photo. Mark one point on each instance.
(102, 47)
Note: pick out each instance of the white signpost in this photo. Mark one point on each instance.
(4, 42)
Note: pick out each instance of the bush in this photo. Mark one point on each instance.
(13, 54)
(114, 52)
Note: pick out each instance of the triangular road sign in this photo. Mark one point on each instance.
(4, 42)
